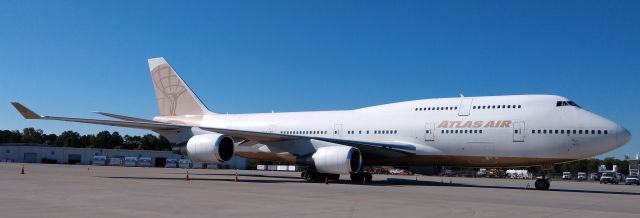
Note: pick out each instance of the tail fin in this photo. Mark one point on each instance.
(173, 95)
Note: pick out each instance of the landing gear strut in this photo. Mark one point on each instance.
(361, 177)
(313, 176)
(543, 182)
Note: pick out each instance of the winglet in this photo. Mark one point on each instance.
(26, 112)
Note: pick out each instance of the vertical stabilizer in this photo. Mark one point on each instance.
(173, 95)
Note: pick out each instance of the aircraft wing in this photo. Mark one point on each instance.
(388, 149)
(29, 114)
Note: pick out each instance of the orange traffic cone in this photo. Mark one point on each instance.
(187, 178)
(22, 170)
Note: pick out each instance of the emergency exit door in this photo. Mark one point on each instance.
(337, 131)
(518, 131)
(428, 131)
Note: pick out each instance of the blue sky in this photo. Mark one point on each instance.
(73, 57)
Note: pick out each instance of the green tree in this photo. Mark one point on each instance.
(148, 142)
(103, 140)
(31, 135)
(69, 139)
(132, 142)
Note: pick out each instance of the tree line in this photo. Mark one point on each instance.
(103, 139)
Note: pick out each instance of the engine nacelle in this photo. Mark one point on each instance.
(338, 159)
(209, 148)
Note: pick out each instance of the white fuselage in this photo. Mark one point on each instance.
(467, 131)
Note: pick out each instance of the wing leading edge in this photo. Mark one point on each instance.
(375, 148)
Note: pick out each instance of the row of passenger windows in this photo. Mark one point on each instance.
(497, 106)
(303, 132)
(460, 131)
(562, 131)
(336, 132)
(436, 108)
(380, 132)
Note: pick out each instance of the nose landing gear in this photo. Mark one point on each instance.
(543, 182)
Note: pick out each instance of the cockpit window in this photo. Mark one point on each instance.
(566, 103)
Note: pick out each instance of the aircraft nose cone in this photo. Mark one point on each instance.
(623, 136)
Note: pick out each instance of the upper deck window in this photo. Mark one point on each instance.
(566, 103)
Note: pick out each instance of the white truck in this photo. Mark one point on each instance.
(566, 175)
(184, 163)
(171, 163)
(581, 176)
(609, 178)
(145, 162)
(99, 160)
(115, 161)
(130, 161)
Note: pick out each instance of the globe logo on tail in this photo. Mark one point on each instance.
(170, 86)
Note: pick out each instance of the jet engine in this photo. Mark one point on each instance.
(338, 159)
(208, 148)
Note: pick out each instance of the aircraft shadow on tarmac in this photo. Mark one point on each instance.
(254, 178)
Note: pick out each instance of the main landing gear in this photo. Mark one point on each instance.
(313, 176)
(543, 182)
(361, 177)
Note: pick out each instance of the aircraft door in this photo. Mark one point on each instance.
(337, 131)
(465, 107)
(428, 132)
(518, 131)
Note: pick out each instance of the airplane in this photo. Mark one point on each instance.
(491, 131)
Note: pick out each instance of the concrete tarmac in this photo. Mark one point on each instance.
(91, 191)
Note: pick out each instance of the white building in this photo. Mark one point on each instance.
(36, 153)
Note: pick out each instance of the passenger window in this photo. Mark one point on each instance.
(442, 131)
(544, 131)
(516, 131)
(556, 131)
(533, 132)
(593, 132)
(519, 106)
(539, 131)
(562, 131)
(579, 131)
(575, 132)
(606, 132)
(599, 132)
(480, 131)
(508, 106)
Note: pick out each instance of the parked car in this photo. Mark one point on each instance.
(581, 176)
(566, 175)
(145, 162)
(609, 177)
(131, 161)
(631, 180)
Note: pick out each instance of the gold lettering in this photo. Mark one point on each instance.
(444, 124)
(477, 124)
(457, 123)
(489, 124)
(467, 124)
(505, 123)
(497, 123)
